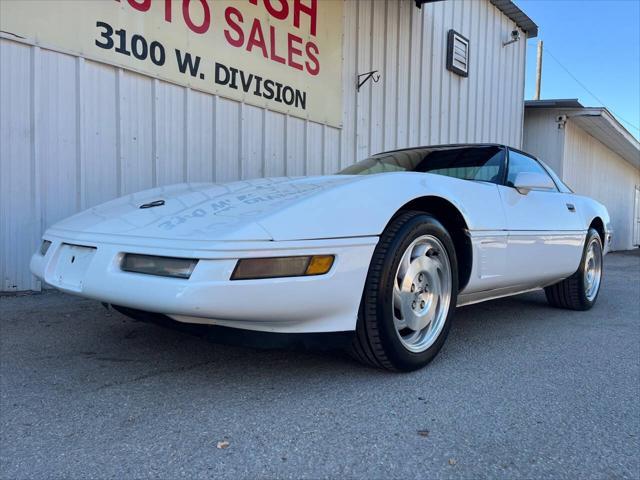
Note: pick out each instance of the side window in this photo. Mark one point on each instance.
(522, 163)
(563, 187)
(485, 164)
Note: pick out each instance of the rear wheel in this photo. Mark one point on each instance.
(410, 295)
(580, 290)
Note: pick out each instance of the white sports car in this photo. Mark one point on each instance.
(382, 253)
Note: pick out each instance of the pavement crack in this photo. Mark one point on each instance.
(117, 360)
(157, 373)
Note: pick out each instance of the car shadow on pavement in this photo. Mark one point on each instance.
(135, 351)
(82, 343)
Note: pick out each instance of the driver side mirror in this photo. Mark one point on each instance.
(527, 181)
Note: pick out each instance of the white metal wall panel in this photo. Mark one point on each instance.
(349, 72)
(274, 144)
(200, 146)
(587, 166)
(227, 134)
(543, 138)
(57, 140)
(636, 216)
(76, 133)
(332, 150)
(296, 151)
(252, 129)
(378, 50)
(99, 128)
(315, 149)
(171, 150)
(19, 179)
(363, 62)
(135, 132)
(403, 69)
(590, 168)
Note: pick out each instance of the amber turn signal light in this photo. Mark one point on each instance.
(319, 264)
(274, 267)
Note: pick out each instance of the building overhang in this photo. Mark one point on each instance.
(597, 122)
(511, 10)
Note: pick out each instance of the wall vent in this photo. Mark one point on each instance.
(458, 53)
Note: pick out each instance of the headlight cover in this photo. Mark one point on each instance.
(159, 266)
(274, 267)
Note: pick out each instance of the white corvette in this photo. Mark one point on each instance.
(382, 252)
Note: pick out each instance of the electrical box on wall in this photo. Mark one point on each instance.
(458, 53)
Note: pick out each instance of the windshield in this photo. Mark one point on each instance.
(480, 163)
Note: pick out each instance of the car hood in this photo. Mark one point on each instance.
(263, 209)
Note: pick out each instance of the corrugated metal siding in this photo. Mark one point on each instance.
(543, 138)
(587, 166)
(75, 133)
(590, 168)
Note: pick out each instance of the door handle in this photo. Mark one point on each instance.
(571, 207)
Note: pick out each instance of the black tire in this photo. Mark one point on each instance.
(570, 293)
(376, 341)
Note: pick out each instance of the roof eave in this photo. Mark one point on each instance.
(597, 122)
(521, 19)
(511, 10)
(553, 103)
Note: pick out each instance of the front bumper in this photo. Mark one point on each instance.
(325, 303)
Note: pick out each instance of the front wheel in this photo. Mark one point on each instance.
(409, 296)
(580, 290)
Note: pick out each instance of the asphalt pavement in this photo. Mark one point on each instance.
(520, 390)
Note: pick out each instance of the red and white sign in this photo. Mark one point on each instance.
(285, 55)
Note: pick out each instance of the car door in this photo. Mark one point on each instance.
(545, 231)
(478, 170)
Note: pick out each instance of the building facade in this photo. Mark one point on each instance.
(82, 123)
(594, 155)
